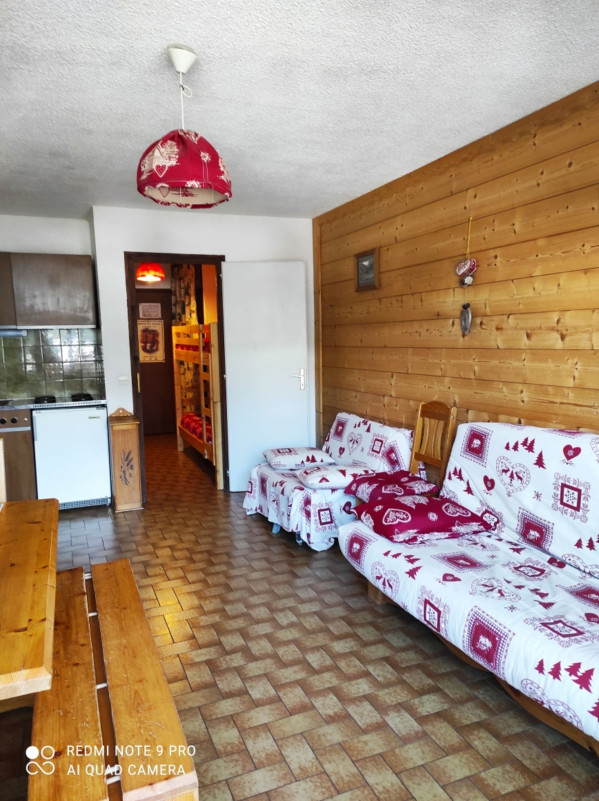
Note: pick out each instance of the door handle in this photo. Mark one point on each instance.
(302, 377)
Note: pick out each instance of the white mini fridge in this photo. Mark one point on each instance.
(72, 461)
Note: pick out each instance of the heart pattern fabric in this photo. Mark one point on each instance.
(386, 580)
(514, 476)
(449, 577)
(532, 480)
(571, 452)
(354, 440)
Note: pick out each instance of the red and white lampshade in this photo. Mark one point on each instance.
(150, 272)
(183, 169)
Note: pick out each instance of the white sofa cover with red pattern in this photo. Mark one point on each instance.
(314, 513)
(523, 599)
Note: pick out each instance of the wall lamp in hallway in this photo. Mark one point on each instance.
(150, 272)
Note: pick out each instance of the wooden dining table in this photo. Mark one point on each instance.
(28, 538)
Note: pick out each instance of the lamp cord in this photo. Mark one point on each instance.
(468, 243)
(185, 92)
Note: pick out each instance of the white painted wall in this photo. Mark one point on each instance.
(237, 238)
(44, 235)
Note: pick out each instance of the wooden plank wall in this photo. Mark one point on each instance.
(532, 190)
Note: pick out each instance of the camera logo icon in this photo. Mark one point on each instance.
(39, 760)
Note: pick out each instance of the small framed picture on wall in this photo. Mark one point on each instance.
(150, 335)
(367, 270)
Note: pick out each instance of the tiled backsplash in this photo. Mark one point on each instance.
(52, 361)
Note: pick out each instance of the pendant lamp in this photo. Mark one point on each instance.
(150, 272)
(182, 168)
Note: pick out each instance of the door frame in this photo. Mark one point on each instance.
(130, 259)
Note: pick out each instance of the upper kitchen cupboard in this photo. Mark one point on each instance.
(47, 291)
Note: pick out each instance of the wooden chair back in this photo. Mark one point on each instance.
(433, 437)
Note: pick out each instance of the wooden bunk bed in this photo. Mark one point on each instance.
(197, 392)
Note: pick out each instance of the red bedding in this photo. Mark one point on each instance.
(193, 423)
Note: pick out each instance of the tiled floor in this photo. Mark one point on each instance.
(291, 684)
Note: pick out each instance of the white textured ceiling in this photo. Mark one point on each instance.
(309, 103)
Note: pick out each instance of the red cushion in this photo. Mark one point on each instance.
(402, 519)
(401, 482)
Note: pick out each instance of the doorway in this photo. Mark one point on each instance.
(156, 360)
(150, 314)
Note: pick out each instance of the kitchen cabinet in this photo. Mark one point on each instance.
(126, 465)
(47, 291)
(8, 314)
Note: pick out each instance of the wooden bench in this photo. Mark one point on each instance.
(108, 727)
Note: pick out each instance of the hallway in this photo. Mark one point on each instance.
(290, 683)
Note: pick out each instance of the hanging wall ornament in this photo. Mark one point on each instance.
(466, 268)
(466, 319)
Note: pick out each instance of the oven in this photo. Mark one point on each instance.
(17, 444)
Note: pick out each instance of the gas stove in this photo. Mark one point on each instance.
(76, 397)
(45, 401)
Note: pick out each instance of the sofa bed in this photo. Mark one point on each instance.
(301, 490)
(503, 565)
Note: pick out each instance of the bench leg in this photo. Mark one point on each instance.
(276, 528)
(298, 538)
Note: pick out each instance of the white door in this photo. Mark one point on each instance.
(266, 350)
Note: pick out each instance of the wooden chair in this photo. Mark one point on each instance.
(433, 438)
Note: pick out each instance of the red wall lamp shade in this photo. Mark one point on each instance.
(149, 271)
(183, 169)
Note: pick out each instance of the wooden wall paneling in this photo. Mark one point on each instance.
(557, 330)
(578, 368)
(572, 250)
(572, 210)
(316, 245)
(533, 191)
(374, 407)
(540, 181)
(568, 124)
(538, 403)
(498, 395)
(525, 295)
